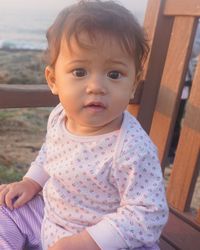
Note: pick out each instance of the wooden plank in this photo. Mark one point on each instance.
(150, 23)
(19, 96)
(180, 234)
(198, 216)
(185, 169)
(193, 107)
(155, 68)
(182, 7)
(133, 109)
(165, 245)
(171, 83)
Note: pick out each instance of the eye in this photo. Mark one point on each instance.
(114, 74)
(79, 72)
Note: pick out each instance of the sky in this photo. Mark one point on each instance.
(56, 5)
(139, 4)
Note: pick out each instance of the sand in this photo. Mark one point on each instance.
(22, 131)
(22, 67)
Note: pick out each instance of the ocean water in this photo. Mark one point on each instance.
(24, 30)
(24, 27)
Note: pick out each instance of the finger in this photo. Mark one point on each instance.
(20, 201)
(10, 196)
(2, 187)
(3, 195)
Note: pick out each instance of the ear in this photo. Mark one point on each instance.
(51, 80)
(135, 85)
(132, 95)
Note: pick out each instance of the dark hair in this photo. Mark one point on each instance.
(94, 17)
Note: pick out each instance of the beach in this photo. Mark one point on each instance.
(22, 131)
(22, 67)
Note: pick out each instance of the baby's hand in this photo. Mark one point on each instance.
(16, 194)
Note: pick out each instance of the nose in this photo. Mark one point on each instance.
(96, 85)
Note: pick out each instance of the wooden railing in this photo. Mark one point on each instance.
(20, 96)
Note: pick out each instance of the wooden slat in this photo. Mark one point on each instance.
(184, 172)
(150, 23)
(154, 71)
(171, 83)
(133, 109)
(165, 245)
(182, 7)
(198, 217)
(19, 96)
(181, 234)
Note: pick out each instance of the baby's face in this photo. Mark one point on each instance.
(94, 84)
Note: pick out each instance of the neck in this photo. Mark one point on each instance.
(84, 130)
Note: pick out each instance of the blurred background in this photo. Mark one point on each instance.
(23, 26)
(23, 23)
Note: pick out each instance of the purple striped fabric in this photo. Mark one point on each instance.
(20, 228)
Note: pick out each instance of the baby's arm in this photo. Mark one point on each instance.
(75, 242)
(143, 210)
(16, 194)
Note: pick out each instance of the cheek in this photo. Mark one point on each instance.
(122, 99)
(70, 99)
(125, 91)
(69, 89)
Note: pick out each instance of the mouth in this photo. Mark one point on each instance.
(95, 106)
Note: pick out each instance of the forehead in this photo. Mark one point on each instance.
(93, 43)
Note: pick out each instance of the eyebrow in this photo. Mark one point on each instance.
(117, 62)
(78, 61)
(108, 61)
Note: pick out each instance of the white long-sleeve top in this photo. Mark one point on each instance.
(106, 183)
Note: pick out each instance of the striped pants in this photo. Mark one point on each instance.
(20, 228)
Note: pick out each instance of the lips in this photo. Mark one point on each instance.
(95, 106)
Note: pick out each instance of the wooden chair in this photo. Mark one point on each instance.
(170, 25)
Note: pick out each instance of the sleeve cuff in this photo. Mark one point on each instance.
(37, 175)
(106, 237)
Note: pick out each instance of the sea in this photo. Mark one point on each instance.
(25, 28)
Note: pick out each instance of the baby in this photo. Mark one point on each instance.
(99, 171)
